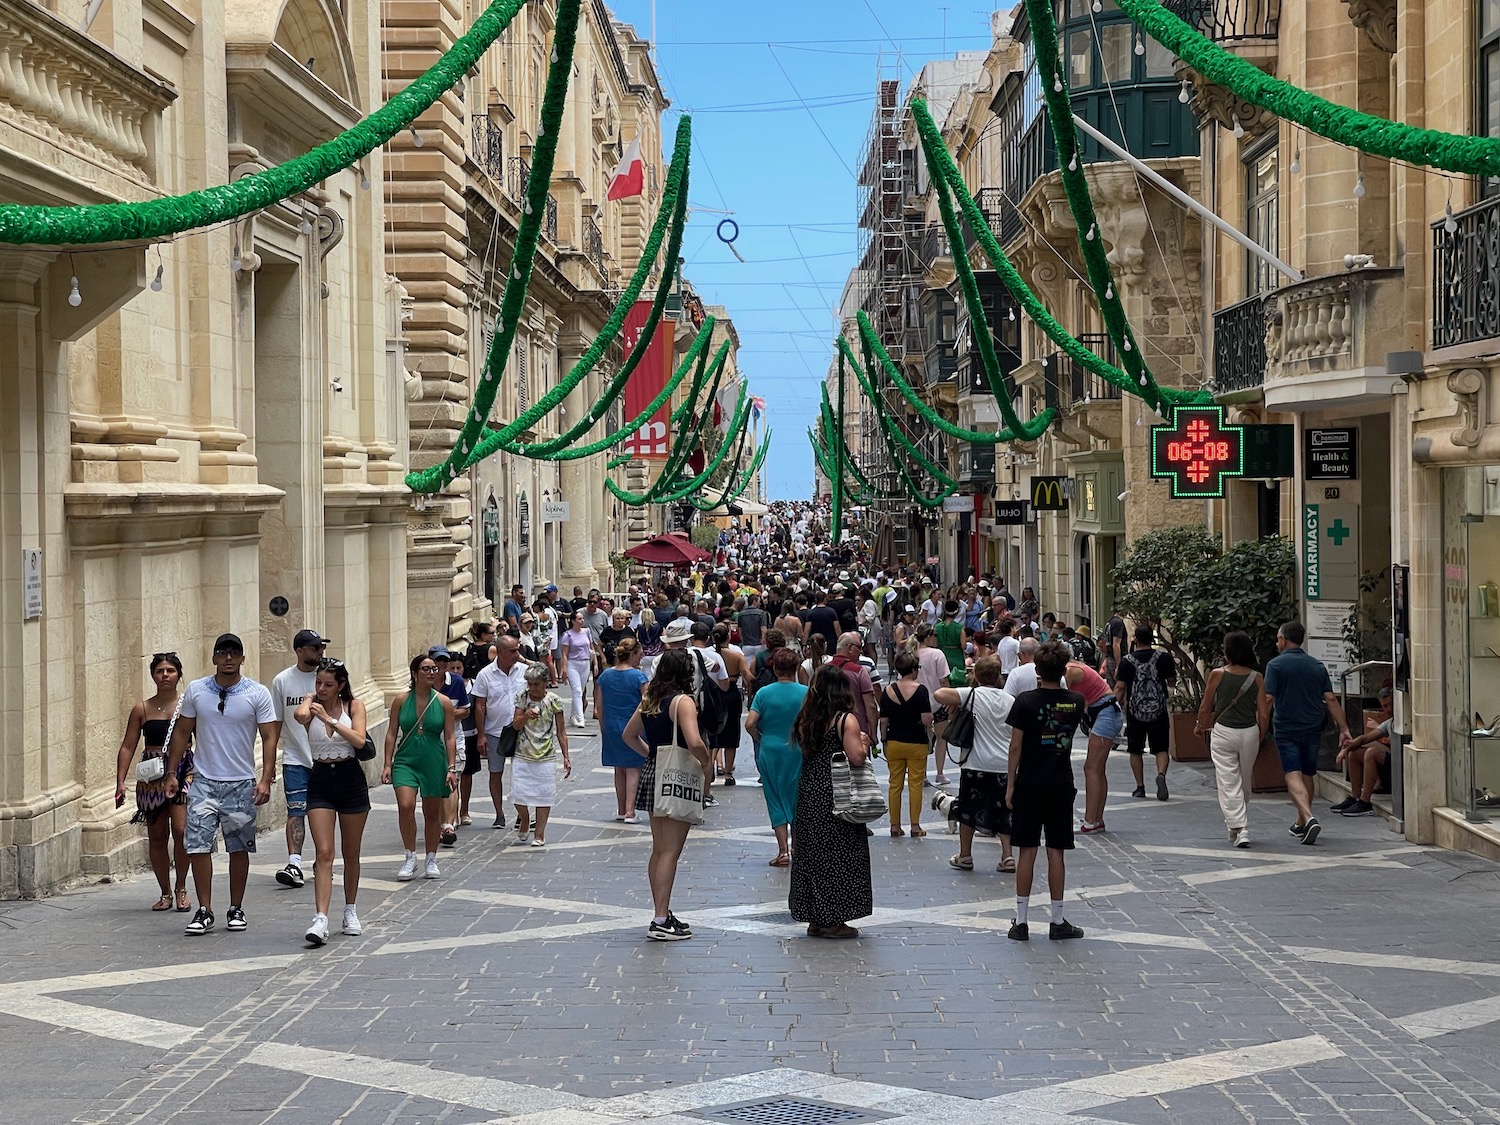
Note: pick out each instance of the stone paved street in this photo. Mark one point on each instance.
(1358, 981)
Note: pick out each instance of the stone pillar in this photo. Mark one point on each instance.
(576, 557)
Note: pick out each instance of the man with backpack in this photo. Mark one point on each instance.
(1143, 682)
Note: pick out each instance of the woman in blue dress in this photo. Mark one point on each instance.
(618, 695)
(772, 713)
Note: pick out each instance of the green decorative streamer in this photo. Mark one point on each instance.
(731, 494)
(737, 423)
(673, 210)
(913, 489)
(1429, 148)
(695, 352)
(160, 218)
(943, 168)
(879, 407)
(840, 451)
(739, 452)
(687, 440)
(469, 448)
(825, 463)
(834, 440)
(1076, 187)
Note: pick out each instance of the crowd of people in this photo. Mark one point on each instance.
(781, 637)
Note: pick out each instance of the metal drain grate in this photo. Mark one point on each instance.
(790, 1111)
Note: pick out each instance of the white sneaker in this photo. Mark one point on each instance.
(431, 871)
(317, 933)
(351, 924)
(408, 869)
(1242, 838)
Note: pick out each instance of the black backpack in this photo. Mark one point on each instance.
(764, 675)
(713, 707)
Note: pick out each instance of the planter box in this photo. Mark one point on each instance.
(1187, 744)
(1268, 776)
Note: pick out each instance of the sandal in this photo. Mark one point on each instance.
(918, 831)
(897, 830)
(183, 905)
(782, 860)
(163, 903)
(1007, 865)
(961, 862)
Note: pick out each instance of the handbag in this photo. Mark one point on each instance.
(678, 793)
(1208, 735)
(960, 730)
(151, 770)
(857, 797)
(366, 753)
(713, 707)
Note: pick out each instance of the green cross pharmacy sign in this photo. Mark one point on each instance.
(1330, 552)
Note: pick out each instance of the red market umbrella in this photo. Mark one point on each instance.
(671, 549)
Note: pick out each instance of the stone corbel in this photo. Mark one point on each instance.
(249, 163)
(1377, 19)
(1467, 386)
(1225, 107)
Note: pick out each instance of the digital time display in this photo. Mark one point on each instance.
(1197, 452)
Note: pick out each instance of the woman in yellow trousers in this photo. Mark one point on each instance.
(905, 729)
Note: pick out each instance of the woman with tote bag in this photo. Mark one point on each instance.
(673, 782)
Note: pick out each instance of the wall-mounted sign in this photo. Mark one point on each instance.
(1270, 451)
(959, 503)
(1050, 494)
(491, 526)
(523, 526)
(1330, 552)
(1330, 454)
(31, 584)
(1197, 452)
(554, 511)
(1010, 513)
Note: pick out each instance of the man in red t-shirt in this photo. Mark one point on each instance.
(846, 659)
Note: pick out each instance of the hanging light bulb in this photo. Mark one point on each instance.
(1450, 224)
(1097, 7)
(156, 281)
(1090, 235)
(1128, 348)
(1073, 163)
(1109, 292)
(416, 137)
(1238, 130)
(307, 227)
(75, 298)
(1057, 85)
(235, 261)
(554, 54)
(1359, 186)
(1140, 45)
(541, 127)
(1296, 161)
(1010, 314)
(364, 178)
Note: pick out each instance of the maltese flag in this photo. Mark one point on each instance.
(630, 177)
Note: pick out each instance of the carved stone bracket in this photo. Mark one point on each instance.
(1467, 385)
(1377, 19)
(1224, 106)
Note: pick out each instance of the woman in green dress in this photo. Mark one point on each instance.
(772, 713)
(420, 757)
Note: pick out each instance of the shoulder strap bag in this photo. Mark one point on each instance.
(960, 730)
(149, 770)
(1248, 683)
(857, 797)
(679, 783)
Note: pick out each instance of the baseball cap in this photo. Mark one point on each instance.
(910, 609)
(549, 589)
(440, 652)
(678, 630)
(890, 596)
(229, 642)
(307, 637)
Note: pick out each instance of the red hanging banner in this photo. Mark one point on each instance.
(652, 441)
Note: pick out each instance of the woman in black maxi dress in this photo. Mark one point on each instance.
(830, 857)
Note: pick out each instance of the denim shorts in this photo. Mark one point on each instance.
(1299, 752)
(1108, 722)
(294, 779)
(220, 806)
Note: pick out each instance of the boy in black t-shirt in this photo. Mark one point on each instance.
(1039, 788)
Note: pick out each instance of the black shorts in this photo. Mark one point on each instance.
(1157, 734)
(981, 802)
(473, 759)
(1034, 811)
(339, 786)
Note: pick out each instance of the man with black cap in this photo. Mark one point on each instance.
(224, 711)
(290, 687)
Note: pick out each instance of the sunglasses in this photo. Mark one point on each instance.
(223, 695)
(218, 652)
(158, 657)
(329, 664)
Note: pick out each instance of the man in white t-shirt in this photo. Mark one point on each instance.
(290, 687)
(494, 699)
(1009, 648)
(225, 711)
(980, 804)
(1023, 677)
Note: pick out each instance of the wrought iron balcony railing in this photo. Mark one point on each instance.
(1466, 277)
(520, 176)
(1240, 346)
(487, 147)
(1086, 386)
(549, 224)
(593, 244)
(1229, 21)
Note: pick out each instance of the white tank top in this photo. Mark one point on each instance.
(328, 747)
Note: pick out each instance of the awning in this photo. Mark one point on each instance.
(746, 508)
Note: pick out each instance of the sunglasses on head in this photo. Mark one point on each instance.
(158, 657)
(329, 664)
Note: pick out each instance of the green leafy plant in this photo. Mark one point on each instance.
(704, 536)
(1366, 632)
(619, 565)
(1182, 583)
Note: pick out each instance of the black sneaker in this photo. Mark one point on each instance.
(499, 822)
(1140, 791)
(1161, 787)
(679, 925)
(234, 919)
(1018, 932)
(1344, 804)
(290, 876)
(1310, 830)
(202, 922)
(1298, 830)
(729, 779)
(709, 802)
(1058, 931)
(667, 932)
(1358, 808)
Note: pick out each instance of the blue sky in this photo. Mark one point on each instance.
(784, 168)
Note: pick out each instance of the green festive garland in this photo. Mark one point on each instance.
(695, 352)
(1429, 148)
(879, 409)
(840, 455)
(673, 210)
(733, 464)
(833, 437)
(1081, 203)
(825, 463)
(732, 491)
(740, 420)
(160, 218)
